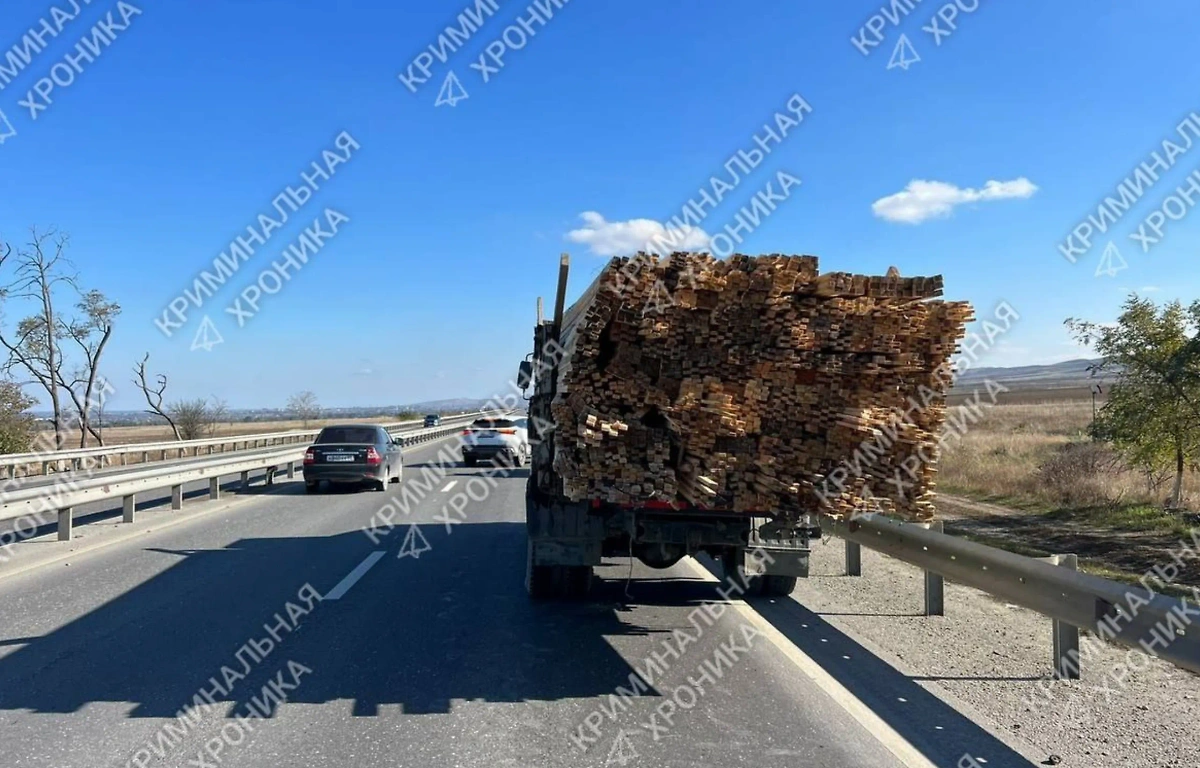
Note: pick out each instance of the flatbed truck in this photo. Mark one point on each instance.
(765, 552)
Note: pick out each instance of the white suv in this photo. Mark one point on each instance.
(506, 439)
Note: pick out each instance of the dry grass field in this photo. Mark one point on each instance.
(1025, 476)
(161, 432)
(136, 435)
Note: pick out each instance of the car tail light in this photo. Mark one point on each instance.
(309, 457)
(507, 431)
(466, 432)
(373, 456)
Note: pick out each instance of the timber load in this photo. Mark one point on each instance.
(754, 384)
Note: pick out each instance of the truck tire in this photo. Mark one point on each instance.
(577, 581)
(556, 582)
(778, 586)
(539, 579)
(734, 571)
(539, 582)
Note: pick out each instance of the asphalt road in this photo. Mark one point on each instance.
(425, 651)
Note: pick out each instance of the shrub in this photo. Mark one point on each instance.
(1076, 475)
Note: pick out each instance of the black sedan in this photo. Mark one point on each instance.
(353, 454)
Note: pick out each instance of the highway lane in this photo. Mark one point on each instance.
(25, 527)
(432, 655)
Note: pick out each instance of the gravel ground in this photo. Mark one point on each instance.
(993, 657)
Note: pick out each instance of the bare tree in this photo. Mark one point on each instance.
(35, 346)
(91, 332)
(304, 406)
(36, 350)
(218, 414)
(154, 395)
(193, 417)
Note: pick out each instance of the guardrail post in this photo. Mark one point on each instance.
(128, 508)
(291, 470)
(214, 487)
(245, 480)
(65, 522)
(176, 497)
(935, 597)
(1066, 636)
(853, 558)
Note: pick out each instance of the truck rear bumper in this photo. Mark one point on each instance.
(574, 534)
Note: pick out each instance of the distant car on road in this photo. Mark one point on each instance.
(353, 454)
(433, 420)
(496, 438)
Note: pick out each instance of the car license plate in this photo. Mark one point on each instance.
(339, 457)
(488, 433)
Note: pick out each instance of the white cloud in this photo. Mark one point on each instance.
(923, 200)
(622, 238)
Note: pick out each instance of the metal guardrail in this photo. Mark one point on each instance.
(1130, 615)
(71, 490)
(74, 458)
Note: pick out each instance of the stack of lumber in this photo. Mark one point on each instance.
(742, 384)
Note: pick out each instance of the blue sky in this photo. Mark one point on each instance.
(181, 133)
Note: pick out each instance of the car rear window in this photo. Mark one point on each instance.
(493, 423)
(362, 435)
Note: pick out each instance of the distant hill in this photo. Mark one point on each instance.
(1069, 374)
(450, 405)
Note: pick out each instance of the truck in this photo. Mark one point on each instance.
(762, 552)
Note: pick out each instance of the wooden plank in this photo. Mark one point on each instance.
(742, 384)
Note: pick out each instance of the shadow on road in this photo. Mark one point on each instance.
(937, 729)
(451, 624)
(447, 622)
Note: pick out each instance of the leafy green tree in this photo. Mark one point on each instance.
(1153, 411)
(16, 424)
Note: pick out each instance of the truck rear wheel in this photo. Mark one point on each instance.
(778, 586)
(733, 565)
(550, 582)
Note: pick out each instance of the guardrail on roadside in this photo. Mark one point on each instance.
(1122, 613)
(70, 490)
(104, 455)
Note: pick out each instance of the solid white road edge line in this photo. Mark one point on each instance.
(352, 578)
(450, 485)
(873, 723)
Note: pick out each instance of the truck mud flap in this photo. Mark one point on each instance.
(559, 552)
(780, 561)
